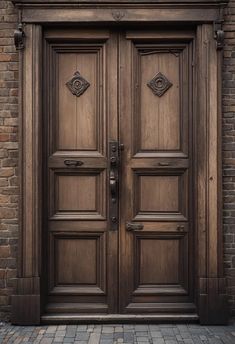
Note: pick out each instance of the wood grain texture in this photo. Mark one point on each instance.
(156, 271)
(77, 117)
(159, 116)
(76, 193)
(153, 264)
(159, 193)
(29, 262)
(76, 225)
(210, 270)
(159, 261)
(84, 252)
(140, 15)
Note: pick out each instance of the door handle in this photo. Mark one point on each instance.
(164, 164)
(73, 163)
(113, 184)
(130, 226)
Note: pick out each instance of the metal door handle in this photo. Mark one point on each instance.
(113, 186)
(130, 226)
(73, 163)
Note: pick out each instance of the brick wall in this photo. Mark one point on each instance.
(8, 155)
(229, 150)
(9, 145)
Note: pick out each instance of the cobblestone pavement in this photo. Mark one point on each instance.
(111, 334)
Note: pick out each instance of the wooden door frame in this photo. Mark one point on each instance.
(206, 16)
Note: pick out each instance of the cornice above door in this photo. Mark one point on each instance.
(125, 3)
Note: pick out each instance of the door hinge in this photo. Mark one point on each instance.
(219, 34)
(19, 36)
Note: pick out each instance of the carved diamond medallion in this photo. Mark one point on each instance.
(159, 84)
(78, 85)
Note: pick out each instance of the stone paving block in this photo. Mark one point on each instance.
(186, 335)
(51, 329)
(106, 341)
(106, 336)
(82, 335)
(128, 327)
(171, 341)
(118, 329)
(183, 328)
(156, 334)
(117, 335)
(167, 331)
(94, 338)
(60, 333)
(142, 339)
(197, 340)
(70, 335)
(46, 341)
(58, 340)
(142, 333)
(128, 336)
(107, 329)
(68, 340)
(154, 327)
(141, 327)
(203, 337)
(188, 341)
(158, 341)
(48, 335)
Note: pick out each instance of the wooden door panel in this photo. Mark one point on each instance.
(159, 117)
(78, 194)
(155, 247)
(160, 195)
(78, 263)
(80, 118)
(160, 93)
(79, 68)
(160, 263)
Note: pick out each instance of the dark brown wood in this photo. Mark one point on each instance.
(154, 262)
(208, 167)
(77, 170)
(26, 304)
(167, 252)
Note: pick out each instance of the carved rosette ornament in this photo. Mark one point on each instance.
(159, 84)
(77, 85)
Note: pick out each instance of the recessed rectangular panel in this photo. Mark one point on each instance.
(79, 100)
(159, 261)
(159, 101)
(76, 261)
(77, 193)
(159, 193)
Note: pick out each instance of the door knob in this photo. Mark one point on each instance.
(130, 226)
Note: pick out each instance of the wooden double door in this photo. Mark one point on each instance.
(118, 177)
